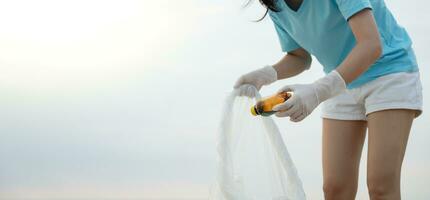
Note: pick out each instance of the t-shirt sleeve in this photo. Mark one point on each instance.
(350, 7)
(287, 42)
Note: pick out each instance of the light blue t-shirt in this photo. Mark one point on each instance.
(321, 28)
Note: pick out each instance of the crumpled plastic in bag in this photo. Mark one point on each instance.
(252, 160)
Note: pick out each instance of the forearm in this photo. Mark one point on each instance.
(292, 64)
(361, 57)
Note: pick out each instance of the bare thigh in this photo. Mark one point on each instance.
(388, 137)
(342, 146)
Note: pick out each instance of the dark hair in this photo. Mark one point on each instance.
(269, 4)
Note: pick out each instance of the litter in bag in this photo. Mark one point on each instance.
(253, 162)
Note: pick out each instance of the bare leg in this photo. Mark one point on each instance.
(388, 137)
(342, 144)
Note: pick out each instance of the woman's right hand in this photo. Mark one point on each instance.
(258, 78)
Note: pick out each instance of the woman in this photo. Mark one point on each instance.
(372, 82)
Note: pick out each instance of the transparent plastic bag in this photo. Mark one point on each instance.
(253, 161)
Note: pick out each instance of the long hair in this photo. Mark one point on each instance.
(268, 4)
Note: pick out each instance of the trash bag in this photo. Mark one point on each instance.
(252, 161)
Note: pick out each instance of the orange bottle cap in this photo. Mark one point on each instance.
(253, 111)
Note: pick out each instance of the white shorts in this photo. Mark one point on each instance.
(393, 91)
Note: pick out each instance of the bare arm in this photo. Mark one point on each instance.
(367, 49)
(294, 63)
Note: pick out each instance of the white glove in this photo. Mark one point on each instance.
(306, 97)
(258, 78)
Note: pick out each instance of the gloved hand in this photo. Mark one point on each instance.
(258, 78)
(306, 97)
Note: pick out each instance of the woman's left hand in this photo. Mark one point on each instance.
(303, 101)
(306, 97)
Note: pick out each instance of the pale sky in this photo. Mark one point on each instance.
(122, 99)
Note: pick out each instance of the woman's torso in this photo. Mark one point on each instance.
(320, 27)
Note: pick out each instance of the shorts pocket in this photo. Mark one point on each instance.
(399, 88)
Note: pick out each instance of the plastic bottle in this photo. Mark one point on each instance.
(264, 106)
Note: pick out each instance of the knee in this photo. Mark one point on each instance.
(382, 186)
(339, 190)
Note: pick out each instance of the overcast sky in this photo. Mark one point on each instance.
(122, 99)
